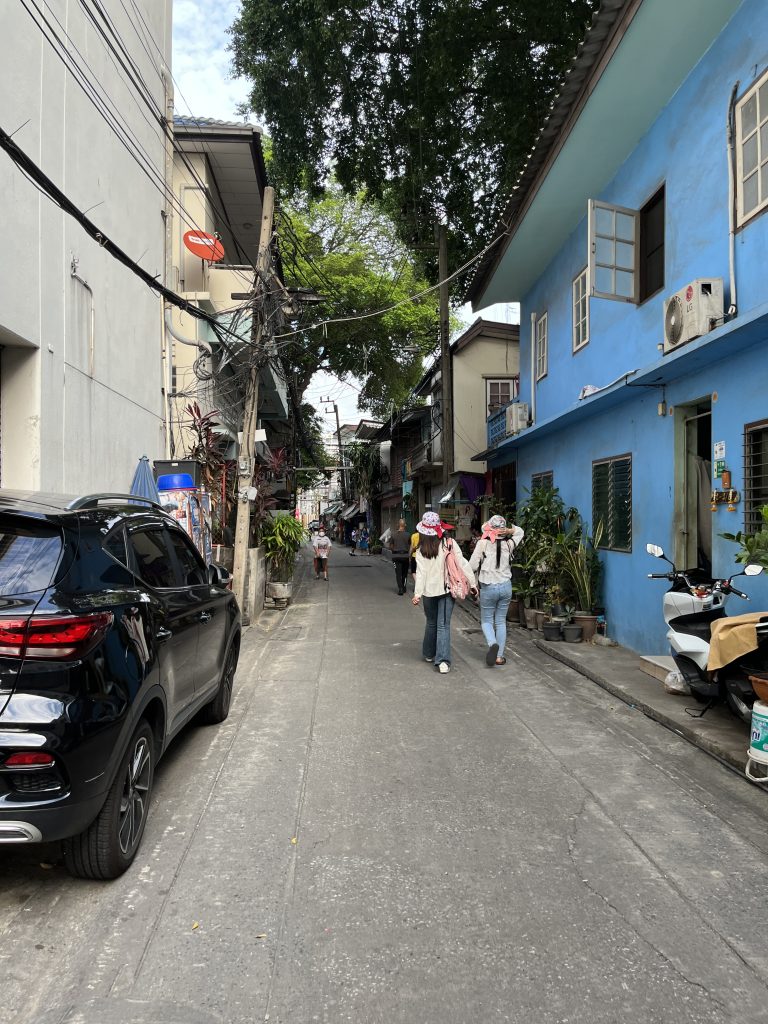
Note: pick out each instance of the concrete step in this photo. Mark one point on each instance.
(657, 665)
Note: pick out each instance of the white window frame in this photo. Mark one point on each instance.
(616, 260)
(579, 302)
(759, 92)
(542, 354)
(514, 388)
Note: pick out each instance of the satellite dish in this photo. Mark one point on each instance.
(207, 247)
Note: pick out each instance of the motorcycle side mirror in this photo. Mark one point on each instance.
(655, 550)
(752, 569)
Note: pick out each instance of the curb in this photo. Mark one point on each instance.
(697, 739)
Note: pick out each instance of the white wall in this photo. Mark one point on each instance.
(71, 423)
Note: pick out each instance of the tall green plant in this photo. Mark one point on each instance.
(282, 537)
(753, 548)
(576, 552)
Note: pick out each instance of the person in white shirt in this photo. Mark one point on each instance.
(431, 585)
(321, 546)
(492, 560)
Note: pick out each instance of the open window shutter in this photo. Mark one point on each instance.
(613, 237)
(601, 498)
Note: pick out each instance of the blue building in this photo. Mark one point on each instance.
(636, 242)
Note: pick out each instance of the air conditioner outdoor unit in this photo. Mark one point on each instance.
(517, 417)
(692, 311)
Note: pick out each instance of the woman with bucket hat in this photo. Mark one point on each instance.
(492, 561)
(432, 587)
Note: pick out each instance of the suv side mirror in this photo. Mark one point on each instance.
(218, 576)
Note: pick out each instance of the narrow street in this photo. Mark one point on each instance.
(366, 841)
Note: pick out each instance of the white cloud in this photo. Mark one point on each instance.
(202, 64)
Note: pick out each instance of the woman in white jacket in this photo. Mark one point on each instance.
(492, 560)
(432, 587)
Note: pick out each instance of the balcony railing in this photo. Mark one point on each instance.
(421, 455)
(496, 426)
(507, 421)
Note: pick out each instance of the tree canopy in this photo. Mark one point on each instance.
(431, 105)
(347, 250)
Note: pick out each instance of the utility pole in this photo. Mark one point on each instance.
(446, 375)
(342, 475)
(245, 462)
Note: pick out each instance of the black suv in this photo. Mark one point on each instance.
(113, 634)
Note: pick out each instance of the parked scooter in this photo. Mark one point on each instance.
(693, 602)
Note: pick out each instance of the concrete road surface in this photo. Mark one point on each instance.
(365, 840)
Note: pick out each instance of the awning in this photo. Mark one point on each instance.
(453, 483)
(333, 508)
(349, 511)
(473, 484)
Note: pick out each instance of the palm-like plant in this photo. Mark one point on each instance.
(282, 537)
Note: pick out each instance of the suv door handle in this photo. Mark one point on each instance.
(205, 616)
(163, 634)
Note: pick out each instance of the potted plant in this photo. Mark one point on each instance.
(577, 554)
(281, 537)
(753, 548)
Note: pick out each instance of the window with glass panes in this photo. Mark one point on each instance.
(612, 501)
(541, 347)
(752, 151)
(580, 311)
(755, 474)
(500, 392)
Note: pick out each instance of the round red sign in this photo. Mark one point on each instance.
(207, 247)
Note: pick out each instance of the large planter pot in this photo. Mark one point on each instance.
(530, 618)
(588, 625)
(279, 591)
(541, 618)
(551, 630)
(572, 633)
(513, 612)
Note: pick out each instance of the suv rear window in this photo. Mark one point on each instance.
(28, 557)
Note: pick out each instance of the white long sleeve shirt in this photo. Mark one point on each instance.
(483, 560)
(431, 574)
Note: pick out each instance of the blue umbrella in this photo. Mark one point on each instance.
(143, 484)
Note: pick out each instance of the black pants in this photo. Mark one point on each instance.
(401, 573)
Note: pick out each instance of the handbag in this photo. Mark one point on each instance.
(456, 584)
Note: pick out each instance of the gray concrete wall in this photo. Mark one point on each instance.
(80, 406)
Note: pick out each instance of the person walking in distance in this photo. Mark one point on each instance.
(492, 561)
(432, 588)
(363, 538)
(321, 546)
(400, 546)
(352, 541)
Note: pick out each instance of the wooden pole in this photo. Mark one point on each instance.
(245, 462)
(446, 376)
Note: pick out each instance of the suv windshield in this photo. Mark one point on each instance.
(29, 555)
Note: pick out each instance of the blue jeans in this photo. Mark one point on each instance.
(437, 633)
(494, 602)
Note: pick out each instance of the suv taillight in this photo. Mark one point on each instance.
(52, 636)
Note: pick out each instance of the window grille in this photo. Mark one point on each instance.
(612, 501)
(542, 481)
(755, 474)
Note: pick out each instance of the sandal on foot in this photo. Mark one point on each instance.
(490, 654)
(501, 661)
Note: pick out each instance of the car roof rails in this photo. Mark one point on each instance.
(94, 500)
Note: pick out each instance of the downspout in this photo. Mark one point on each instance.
(166, 345)
(533, 367)
(194, 342)
(733, 308)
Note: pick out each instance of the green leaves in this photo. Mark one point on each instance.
(753, 548)
(432, 105)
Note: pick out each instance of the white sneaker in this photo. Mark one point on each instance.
(444, 667)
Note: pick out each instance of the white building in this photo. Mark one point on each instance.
(81, 365)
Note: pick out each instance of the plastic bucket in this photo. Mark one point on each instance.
(758, 741)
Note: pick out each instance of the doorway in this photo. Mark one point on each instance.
(693, 484)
